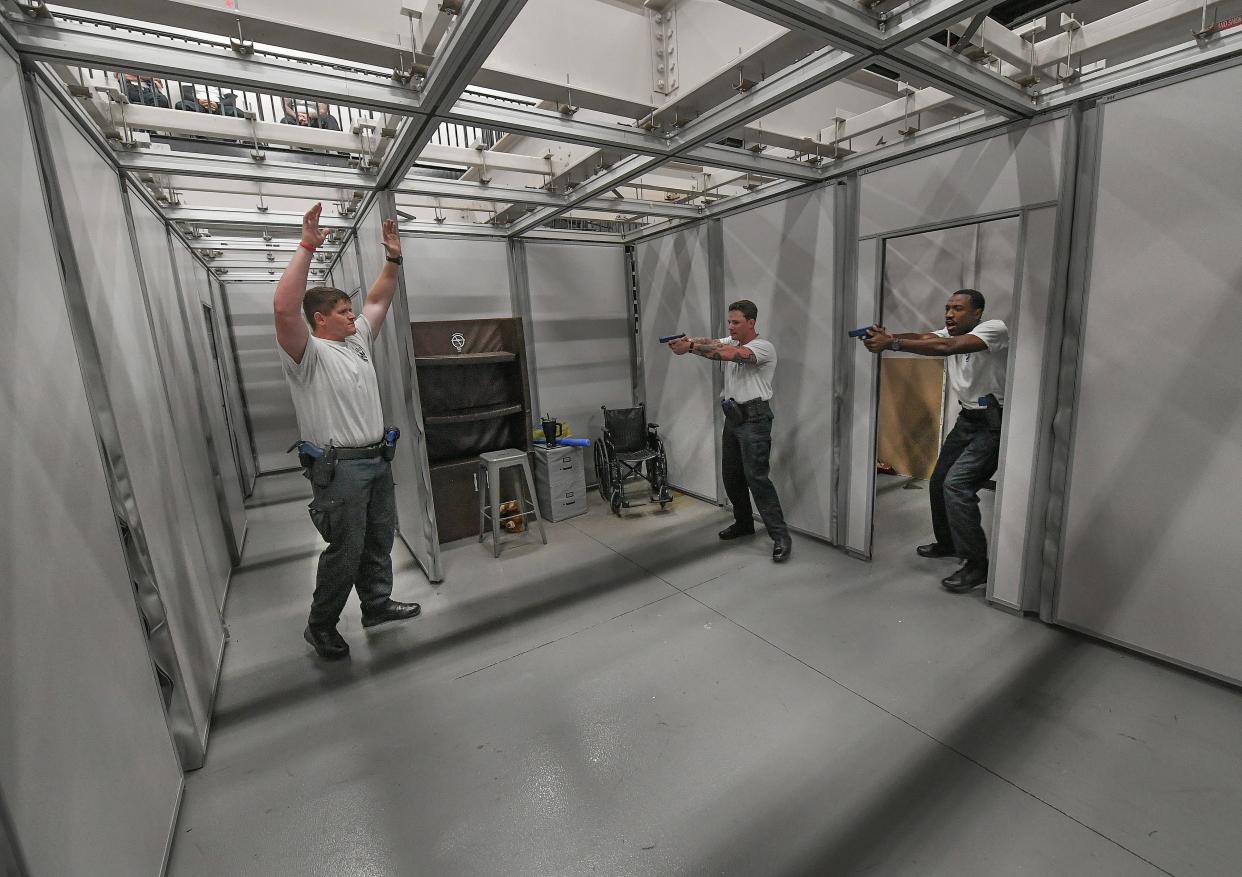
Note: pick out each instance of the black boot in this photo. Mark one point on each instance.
(327, 642)
(971, 574)
(737, 530)
(389, 611)
(782, 548)
(936, 549)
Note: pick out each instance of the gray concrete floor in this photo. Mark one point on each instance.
(637, 698)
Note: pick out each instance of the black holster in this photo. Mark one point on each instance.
(733, 412)
(994, 412)
(391, 436)
(323, 470)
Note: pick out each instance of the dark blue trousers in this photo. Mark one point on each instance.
(968, 458)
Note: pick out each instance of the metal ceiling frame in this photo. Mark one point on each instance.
(857, 39)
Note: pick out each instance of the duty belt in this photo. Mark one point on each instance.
(364, 453)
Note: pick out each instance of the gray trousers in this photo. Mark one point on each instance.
(745, 449)
(356, 514)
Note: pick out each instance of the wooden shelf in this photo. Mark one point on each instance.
(470, 415)
(498, 356)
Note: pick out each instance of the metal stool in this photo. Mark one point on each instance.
(492, 465)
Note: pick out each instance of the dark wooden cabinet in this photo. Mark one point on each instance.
(472, 383)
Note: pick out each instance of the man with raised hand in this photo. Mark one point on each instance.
(975, 352)
(749, 367)
(326, 353)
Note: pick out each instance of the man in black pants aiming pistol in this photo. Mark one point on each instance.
(750, 364)
(326, 353)
(975, 351)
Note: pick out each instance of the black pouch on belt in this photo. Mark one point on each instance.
(323, 470)
(733, 412)
(391, 434)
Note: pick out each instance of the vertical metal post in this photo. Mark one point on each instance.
(1075, 237)
(845, 281)
(638, 379)
(716, 299)
(519, 298)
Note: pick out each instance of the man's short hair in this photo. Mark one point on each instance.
(976, 298)
(321, 300)
(747, 307)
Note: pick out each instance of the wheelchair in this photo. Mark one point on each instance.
(628, 442)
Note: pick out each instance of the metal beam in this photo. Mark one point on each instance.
(252, 245)
(923, 20)
(771, 94)
(954, 73)
(69, 42)
(138, 116)
(715, 155)
(554, 126)
(478, 29)
(256, 218)
(144, 161)
(845, 27)
(619, 173)
(229, 22)
(471, 191)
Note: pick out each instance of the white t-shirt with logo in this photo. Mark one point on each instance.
(974, 376)
(335, 391)
(745, 381)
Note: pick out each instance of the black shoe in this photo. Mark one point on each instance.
(736, 531)
(936, 549)
(390, 611)
(970, 575)
(327, 642)
(782, 549)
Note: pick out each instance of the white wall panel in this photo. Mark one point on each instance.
(398, 394)
(1151, 550)
(1005, 172)
(675, 296)
(236, 403)
(781, 257)
(346, 275)
(134, 377)
(86, 761)
(176, 356)
(273, 422)
(456, 279)
(196, 297)
(580, 327)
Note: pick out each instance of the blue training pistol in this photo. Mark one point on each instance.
(668, 338)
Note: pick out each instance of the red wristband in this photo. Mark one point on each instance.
(304, 245)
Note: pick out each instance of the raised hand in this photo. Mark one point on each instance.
(390, 239)
(312, 234)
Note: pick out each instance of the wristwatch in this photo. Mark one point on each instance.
(895, 344)
(396, 260)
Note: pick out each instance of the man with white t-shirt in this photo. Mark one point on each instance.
(975, 352)
(326, 353)
(749, 366)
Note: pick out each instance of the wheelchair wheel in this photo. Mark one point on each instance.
(616, 502)
(659, 479)
(602, 473)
